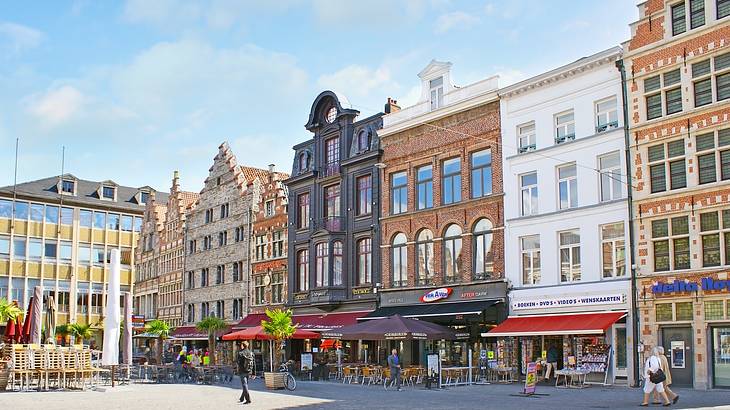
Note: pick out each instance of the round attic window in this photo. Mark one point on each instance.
(331, 115)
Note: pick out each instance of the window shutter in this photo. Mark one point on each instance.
(659, 228)
(722, 62)
(706, 165)
(705, 141)
(677, 174)
(656, 153)
(651, 84)
(658, 178)
(675, 148)
(679, 21)
(700, 69)
(696, 13)
(723, 137)
(674, 100)
(671, 77)
(703, 92)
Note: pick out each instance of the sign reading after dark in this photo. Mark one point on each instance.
(680, 286)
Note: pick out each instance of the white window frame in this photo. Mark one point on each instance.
(616, 243)
(574, 273)
(530, 271)
(611, 176)
(529, 190)
(526, 137)
(712, 76)
(610, 114)
(269, 208)
(567, 127)
(436, 92)
(571, 183)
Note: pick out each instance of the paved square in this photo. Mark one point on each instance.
(331, 395)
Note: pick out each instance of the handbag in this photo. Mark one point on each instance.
(657, 376)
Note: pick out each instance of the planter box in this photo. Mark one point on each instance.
(274, 380)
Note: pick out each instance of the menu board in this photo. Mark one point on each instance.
(306, 361)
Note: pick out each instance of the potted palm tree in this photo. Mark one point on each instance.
(81, 332)
(279, 327)
(212, 325)
(64, 331)
(8, 311)
(162, 330)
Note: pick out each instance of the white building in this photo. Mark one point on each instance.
(566, 213)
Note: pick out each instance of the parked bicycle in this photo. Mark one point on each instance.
(289, 382)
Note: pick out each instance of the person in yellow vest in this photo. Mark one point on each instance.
(206, 358)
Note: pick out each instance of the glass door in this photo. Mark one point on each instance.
(721, 356)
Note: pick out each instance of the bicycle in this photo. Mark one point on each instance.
(289, 381)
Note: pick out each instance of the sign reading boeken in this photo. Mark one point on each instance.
(680, 286)
(436, 294)
(568, 301)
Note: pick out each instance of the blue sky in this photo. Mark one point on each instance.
(137, 89)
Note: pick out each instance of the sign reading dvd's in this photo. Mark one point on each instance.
(568, 301)
(436, 294)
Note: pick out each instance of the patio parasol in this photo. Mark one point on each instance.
(25, 334)
(257, 333)
(394, 327)
(110, 355)
(127, 340)
(18, 329)
(36, 318)
(10, 330)
(51, 320)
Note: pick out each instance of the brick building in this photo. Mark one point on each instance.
(442, 214)
(269, 247)
(218, 236)
(677, 68)
(159, 264)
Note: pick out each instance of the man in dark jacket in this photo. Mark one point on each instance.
(395, 366)
(244, 362)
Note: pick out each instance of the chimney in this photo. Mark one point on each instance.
(271, 168)
(391, 106)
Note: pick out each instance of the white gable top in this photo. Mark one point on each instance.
(435, 69)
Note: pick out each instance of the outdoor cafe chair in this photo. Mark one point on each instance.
(347, 375)
(367, 374)
(20, 367)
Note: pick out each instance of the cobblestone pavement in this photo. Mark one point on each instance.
(331, 395)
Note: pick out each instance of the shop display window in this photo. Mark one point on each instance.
(684, 310)
(664, 312)
(714, 310)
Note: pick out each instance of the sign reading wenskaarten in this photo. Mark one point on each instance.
(568, 301)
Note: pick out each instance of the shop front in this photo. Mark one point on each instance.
(689, 315)
(577, 328)
(468, 309)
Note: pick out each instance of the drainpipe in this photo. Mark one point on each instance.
(632, 249)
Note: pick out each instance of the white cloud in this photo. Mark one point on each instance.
(509, 76)
(489, 9)
(364, 14)
(575, 25)
(20, 37)
(357, 80)
(56, 106)
(453, 20)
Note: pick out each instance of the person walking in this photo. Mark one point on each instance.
(664, 365)
(652, 366)
(395, 366)
(244, 362)
(552, 361)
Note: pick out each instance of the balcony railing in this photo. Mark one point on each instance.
(526, 148)
(331, 223)
(329, 169)
(564, 138)
(606, 127)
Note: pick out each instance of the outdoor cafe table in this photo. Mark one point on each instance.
(574, 378)
(461, 379)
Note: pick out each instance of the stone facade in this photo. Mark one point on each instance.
(679, 110)
(159, 265)
(217, 269)
(269, 244)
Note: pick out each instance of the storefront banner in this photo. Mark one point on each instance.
(531, 379)
(138, 321)
(466, 293)
(568, 301)
(306, 362)
(681, 286)
(436, 294)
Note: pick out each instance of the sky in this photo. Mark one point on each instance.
(137, 89)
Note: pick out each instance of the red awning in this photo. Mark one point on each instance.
(257, 333)
(192, 333)
(252, 320)
(576, 324)
(315, 322)
(327, 321)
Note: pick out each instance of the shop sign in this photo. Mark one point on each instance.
(436, 294)
(531, 379)
(362, 291)
(568, 302)
(319, 293)
(301, 296)
(306, 362)
(680, 286)
(137, 321)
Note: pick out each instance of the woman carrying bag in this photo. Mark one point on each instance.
(654, 378)
(664, 365)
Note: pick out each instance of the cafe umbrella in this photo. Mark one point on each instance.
(395, 327)
(258, 333)
(50, 319)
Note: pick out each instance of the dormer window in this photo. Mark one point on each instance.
(68, 186)
(143, 197)
(437, 92)
(107, 192)
(363, 141)
(330, 115)
(303, 162)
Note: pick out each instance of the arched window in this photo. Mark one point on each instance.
(322, 265)
(337, 263)
(483, 256)
(452, 253)
(363, 141)
(424, 257)
(364, 261)
(303, 162)
(303, 270)
(400, 260)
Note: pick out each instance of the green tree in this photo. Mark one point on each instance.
(279, 327)
(81, 332)
(8, 311)
(212, 325)
(161, 330)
